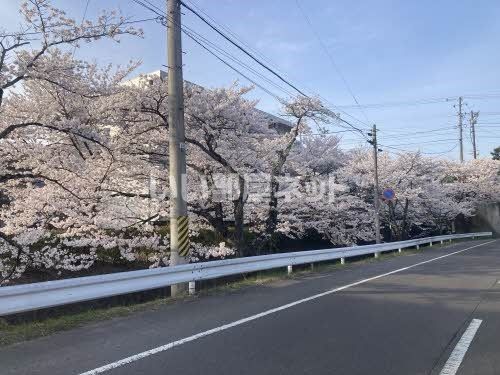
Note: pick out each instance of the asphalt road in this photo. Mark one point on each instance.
(412, 314)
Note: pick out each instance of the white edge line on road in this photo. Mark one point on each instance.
(458, 354)
(136, 357)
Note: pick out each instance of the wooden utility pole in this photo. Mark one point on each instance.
(473, 122)
(179, 223)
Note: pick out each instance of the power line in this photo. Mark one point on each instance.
(154, 6)
(235, 36)
(230, 66)
(221, 33)
(162, 15)
(426, 153)
(210, 46)
(429, 136)
(151, 7)
(220, 50)
(403, 103)
(441, 152)
(417, 102)
(328, 133)
(483, 96)
(258, 61)
(420, 133)
(204, 46)
(239, 62)
(406, 131)
(330, 57)
(426, 142)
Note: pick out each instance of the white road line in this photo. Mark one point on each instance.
(458, 354)
(136, 357)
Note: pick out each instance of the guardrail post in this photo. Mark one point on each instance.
(376, 255)
(430, 244)
(442, 242)
(342, 260)
(418, 247)
(192, 288)
(290, 270)
(312, 266)
(400, 250)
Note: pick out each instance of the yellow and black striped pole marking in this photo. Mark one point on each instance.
(183, 233)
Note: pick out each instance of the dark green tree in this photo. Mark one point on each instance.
(496, 153)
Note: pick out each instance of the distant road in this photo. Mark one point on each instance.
(435, 312)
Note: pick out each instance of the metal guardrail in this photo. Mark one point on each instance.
(28, 297)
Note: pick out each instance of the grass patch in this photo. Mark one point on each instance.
(11, 333)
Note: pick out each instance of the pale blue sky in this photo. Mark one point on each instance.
(388, 51)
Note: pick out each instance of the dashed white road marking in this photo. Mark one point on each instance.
(147, 353)
(458, 354)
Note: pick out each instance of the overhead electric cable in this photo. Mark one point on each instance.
(222, 26)
(230, 40)
(164, 16)
(330, 57)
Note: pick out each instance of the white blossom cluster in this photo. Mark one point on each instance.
(201, 252)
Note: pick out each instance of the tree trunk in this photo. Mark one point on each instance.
(218, 222)
(277, 170)
(239, 219)
(220, 226)
(272, 219)
(404, 230)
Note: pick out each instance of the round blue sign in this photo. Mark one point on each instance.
(388, 194)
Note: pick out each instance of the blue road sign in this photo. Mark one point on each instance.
(388, 194)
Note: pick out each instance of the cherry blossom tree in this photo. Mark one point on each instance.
(223, 131)
(430, 192)
(55, 133)
(25, 54)
(299, 110)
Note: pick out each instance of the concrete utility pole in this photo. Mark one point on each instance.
(376, 192)
(460, 129)
(179, 224)
(473, 122)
